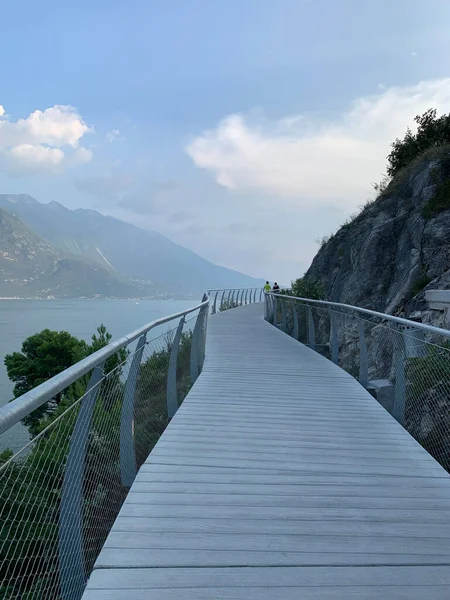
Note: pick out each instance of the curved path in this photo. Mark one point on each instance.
(279, 478)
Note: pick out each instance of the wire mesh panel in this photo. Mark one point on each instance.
(61, 493)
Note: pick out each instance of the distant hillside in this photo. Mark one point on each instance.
(147, 258)
(31, 267)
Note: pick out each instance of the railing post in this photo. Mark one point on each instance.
(260, 295)
(172, 400)
(398, 411)
(245, 299)
(221, 301)
(283, 316)
(363, 357)
(73, 575)
(311, 330)
(214, 304)
(230, 305)
(127, 451)
(334, 337)
(195, 345)
(204, 327)
(295, 320)
(274, 310)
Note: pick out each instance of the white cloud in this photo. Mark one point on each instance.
(29, 157)
(82, 155)
(45, 139)
(112, 135)
(307, 161)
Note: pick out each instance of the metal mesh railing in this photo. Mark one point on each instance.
(61, 493)
(231, 298)
(405, 365)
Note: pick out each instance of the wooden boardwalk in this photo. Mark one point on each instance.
(280, 478)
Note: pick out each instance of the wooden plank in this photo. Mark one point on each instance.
(342, 577)
(182, 511)
(280, 593)
(283, 527)
(298, 491)
(280, 543)
(163, 473)
(297, 467)
(194, 558)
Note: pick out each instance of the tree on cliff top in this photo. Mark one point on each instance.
(431, 131)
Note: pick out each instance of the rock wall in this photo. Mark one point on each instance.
(390, 253)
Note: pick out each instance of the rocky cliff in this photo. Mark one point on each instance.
(396, 248)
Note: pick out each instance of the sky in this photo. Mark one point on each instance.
(245, 130)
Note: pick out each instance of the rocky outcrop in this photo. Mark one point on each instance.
(387, 256)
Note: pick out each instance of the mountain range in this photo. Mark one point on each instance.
(49, 250)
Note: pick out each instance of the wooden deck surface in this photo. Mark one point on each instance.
(279, 478)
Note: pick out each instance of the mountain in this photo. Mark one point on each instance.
(32, 267)
(396, 248)
(145, 258)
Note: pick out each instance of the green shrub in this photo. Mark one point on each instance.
(439, 202)
(422, 281)
(308, 288)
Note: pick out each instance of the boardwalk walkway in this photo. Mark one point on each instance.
(279, 478)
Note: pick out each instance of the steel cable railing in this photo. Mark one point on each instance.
(404, 364)
(61, 493)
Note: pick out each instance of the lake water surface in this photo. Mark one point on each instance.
(22, 318)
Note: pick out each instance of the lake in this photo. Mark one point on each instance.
(22, 318)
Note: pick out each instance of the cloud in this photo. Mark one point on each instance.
(107, 187)
(112, 135)
(308, 161)
(179, 216)
(120, 190)
(148, 199)
(44, 140)
(29, 157)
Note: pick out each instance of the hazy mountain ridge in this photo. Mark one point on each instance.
(31, 267)
(120, 259)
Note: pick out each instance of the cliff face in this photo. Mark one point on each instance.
(391, 253)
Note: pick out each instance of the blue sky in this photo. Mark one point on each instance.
(242, 129)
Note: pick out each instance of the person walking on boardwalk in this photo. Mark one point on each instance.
(276, 288)
(267, 287)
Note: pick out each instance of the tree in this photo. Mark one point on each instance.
(48, 353)
(43, 356)
(431, 131)
(102, 339)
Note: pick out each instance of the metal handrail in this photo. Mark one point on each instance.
(15, 411)
(372, 313)
(256, 287)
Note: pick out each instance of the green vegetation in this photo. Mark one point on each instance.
(432, 131)
(422, 281)
(439, 202)
(46, 354)
(427, 396)
(31, 488)
(308, 288)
